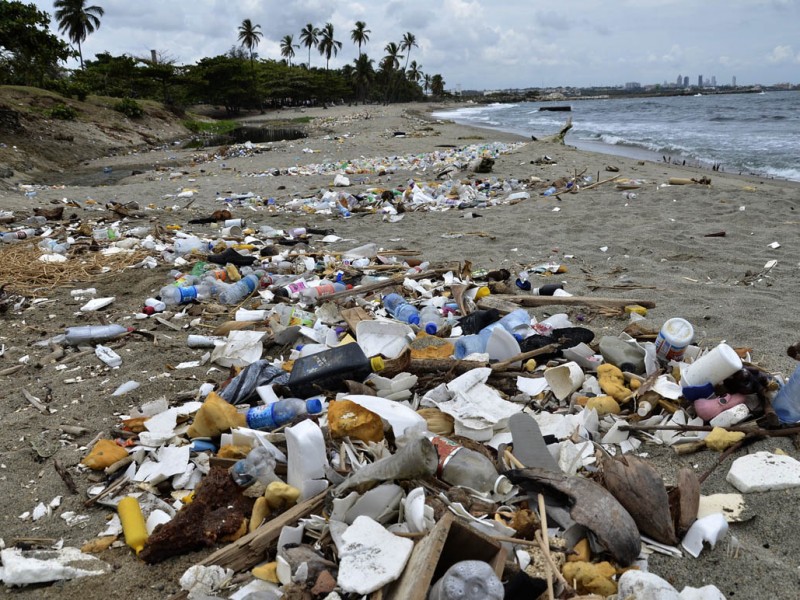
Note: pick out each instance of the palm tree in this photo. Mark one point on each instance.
(413, 73)
(363, 75)
(393, 56)
(309, 36)
(328, 46)
(250, 36)
(437, 85)
(360, 34)
(426, 82)
(287, 48)
(77, 20)
(409, 41)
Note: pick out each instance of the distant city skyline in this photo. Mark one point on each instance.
(478, 44)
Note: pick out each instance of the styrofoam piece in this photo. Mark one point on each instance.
(163, 422)
(645, 586)
(666, 388)
(764, 471)
(564, 379)
(414, 509)
(291, 535)
(108, 356)
(170, 460)
(532, 386)
(305, 446)
(202, 581)
(25, 567)
(730, 505)
(156, 518)
(371, 557)
(97, 304)
(729, 417)
(707, 592)
(240, 349)
(380, 504)
(399, 416)
(711, 529)
(388, 338)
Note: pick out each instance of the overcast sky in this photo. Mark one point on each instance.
(488, 44)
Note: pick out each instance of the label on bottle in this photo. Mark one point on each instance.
(326, 289)
(446, 449)
(302, 318)
(260, 417)
(188, 294)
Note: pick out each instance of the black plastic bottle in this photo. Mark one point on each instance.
(327, 371)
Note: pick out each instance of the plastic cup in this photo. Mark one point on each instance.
(713, 367)
(233, 231)
(565, 379)
(233, 223)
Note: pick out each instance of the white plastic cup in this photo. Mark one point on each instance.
(231, 231)
(675, 335)
(713, 367)
(565, 379)
(233, 223)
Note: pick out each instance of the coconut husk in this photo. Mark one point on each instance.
(684, 500)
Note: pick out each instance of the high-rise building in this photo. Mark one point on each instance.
(680, 80)
(734, 81)
(699, 81)
(713, 81)
(686, 81)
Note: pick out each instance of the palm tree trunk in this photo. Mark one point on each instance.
(80, 54)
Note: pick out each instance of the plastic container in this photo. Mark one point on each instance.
(236, 292)
(787, 401)
(133, 524)
(468, 580)
(258, 465)
(478, 320)
(281, 412)
(17, 236)
(517, 323)
(431, 319)
(327, 371)
(188, 244)
(50, 245)
(466, 468)
(472, 344)
(675, 335)
(88, 334)
(400, 309)
(713, 367)
(172, 294)
(327, 288)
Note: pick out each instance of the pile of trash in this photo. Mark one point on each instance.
(394, 427)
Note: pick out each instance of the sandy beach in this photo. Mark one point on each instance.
(653, 243)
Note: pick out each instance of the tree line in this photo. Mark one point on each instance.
(239, 79)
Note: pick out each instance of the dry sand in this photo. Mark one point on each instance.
(651, 247)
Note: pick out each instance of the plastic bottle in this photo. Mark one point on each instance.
(477, 320)
(787, 401)
(281, 412)
(236, 292)
(431, 319)
(310, 294)
(51, 245)
(327, 371)
(549, 191)
(187, 244)
(400, 309)
(466, 468)
(468, 580)
(16, 236)
(472, 344)
(523, 281)
(258, 465)
(547, 290)
(171, 294)
(87, 334)
(105, 233)
(133, 525)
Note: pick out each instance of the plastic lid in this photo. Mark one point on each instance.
(413, 320)
(313, 406)
(377, 363)
(482, 291)
(502, 486)
(431, 328)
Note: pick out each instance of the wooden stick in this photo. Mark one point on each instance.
(378, 285)
(755, 431)
(546, 547)
(65, 476)
(505, 364)
(119, 483)
(594, 185)
(37, 404)
(533, 301)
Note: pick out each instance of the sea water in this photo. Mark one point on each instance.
(750, 133)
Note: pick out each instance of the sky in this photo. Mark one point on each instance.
(486, 44)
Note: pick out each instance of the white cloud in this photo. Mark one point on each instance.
(783, 55)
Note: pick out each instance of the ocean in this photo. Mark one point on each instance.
(756, 134)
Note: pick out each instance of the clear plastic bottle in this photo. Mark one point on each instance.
(466, 468)
(17, 236)
(310, 294)
(400, 309)
(431, 319)
(258, 465)
(172, 294)
(236, 292)
(281, 412)
(51, 245)
(88, 334)
(787, 401)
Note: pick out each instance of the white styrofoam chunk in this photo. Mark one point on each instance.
(42, 566)
(371, 557)
(645, 586)
(707, 592)
(764, 471)
(711, 529)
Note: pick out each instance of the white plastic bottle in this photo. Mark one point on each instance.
(17, 236)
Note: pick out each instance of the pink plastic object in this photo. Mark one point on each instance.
(708, 408)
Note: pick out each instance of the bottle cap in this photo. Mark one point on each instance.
(430, 328)
(502, 485)
(313, 406)
(482, 291)
(377, 363)
(413, 320)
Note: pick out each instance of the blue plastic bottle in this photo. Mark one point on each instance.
(400, 309)
(281, 412)
(787, 401)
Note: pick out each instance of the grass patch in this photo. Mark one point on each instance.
(210, 127)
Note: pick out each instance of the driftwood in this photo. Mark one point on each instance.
(533, 301)
(379, 285)
(559, 137)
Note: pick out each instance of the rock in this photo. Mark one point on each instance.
(764, 471)
(645, 586)
(371, 557)
(5, 173)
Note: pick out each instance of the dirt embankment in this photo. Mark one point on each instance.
(34, 143)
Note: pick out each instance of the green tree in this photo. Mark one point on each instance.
(360, 34)
(437, 85)
(363, 75)
(29, 53)
(328, 46)
(221, 80)
(309, 37)
(409, 41)
(287, 48)
(413, 72)
(249, 37)
(426, 82)
(393, 56)
(77, 20)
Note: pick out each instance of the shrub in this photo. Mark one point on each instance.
(63, 112)
(129, 107)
